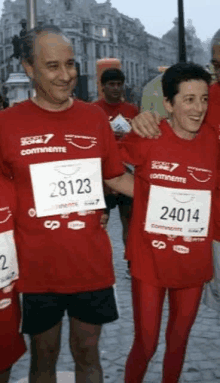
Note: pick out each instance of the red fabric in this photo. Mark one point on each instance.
(213, 118)
(148, 305)
(163, 266)
(127, 110)
(60, 260)
(12, 343)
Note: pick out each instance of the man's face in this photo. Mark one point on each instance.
(216, 60)
(113, 90)
(189, 108)
(53, 70)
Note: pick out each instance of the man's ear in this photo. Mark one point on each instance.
(29, 70)
(167, 105)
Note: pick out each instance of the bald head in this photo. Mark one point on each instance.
(29, 40)
(215, 52)
(215, 39)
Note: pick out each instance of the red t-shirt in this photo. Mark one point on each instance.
(53, 255)
(127, 110)
(159, 259)
(12, 343)
(213, 118)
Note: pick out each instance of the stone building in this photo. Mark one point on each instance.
(97, 30)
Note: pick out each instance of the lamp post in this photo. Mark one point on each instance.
(31, 14)
(182, 45)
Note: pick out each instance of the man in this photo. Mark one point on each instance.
(55, 149)
(146, 124)
(120, 114)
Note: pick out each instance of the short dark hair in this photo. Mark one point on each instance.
(27, 42)
(111, 75)
(179, 73)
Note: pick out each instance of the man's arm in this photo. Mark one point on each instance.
(146, 124)
(123, 184)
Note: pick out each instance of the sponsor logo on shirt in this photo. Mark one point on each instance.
(171, 237)
(49, 149)
(161, 165)
(76, 225)
(160, 245)
(167, 177)
(5, 303)
(52, 225)
(32, 212)
(181, 249)
(81, 142)
(5, 214)
(200, 175)
(42, 139)
(194, 239)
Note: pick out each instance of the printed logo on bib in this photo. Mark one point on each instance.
(200, 175)
(181, 249)
(52, 225)
(161, 165)
(8, 259)
(81, 142)
(5, 214)
(5, 303)
(76, 225)
(159, 244)
(62, 187)
(183, 212)
(42, 139)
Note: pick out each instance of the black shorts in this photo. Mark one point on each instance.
(43, 311)
(113, 200)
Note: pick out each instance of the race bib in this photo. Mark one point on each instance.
(119, 124)
(177, 212)
(62, 187)
(8, 259)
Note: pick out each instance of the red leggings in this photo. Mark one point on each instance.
(147, 308)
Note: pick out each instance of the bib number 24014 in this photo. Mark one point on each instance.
(180, 215)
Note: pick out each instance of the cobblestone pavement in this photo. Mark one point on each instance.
(202, 362)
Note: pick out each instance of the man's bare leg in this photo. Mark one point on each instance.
(45, 349)
(84, 338)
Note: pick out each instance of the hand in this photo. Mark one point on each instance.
(104, 220)
(8, 288)
(146, 124)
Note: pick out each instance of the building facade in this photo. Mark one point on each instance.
(96, 31)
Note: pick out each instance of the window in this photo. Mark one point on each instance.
(104, 51)
(104, 32)
(97, 51)
(73, 44)
(85, 67)
(127, 72)
(111, 52)
(86, 28)
(85, 48)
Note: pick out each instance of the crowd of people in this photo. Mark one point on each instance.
(56, 152)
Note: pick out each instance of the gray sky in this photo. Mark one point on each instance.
(157, 15)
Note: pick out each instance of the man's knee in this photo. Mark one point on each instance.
(46, 346)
